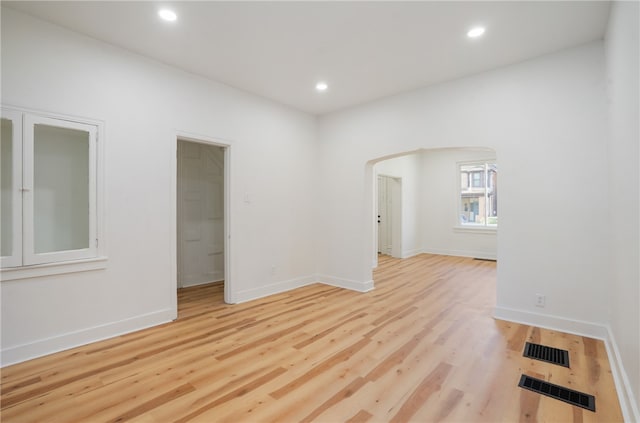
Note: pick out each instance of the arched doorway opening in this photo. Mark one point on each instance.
(432, 192)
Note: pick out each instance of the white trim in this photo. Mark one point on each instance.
(288, 285)
(388, 175)
(462, 253)
(352, 285)
(371, 174)
(20, 353)
(410, 253)
(215, 277)
(575, 327)
(229, 288)
(173, 227)
(476, 229)
(275, 288)
(628, 404)
(50, 269)
(589, 329)
(230, 296)
(101, 191)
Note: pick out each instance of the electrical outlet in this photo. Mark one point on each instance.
(273, 270)
(540, 300)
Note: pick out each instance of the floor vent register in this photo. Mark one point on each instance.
(570, 396)
(548, 354)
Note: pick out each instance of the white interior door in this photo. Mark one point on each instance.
(384, 216)
(200, 213)
(390, 215)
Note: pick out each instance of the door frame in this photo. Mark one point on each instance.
(229, 296)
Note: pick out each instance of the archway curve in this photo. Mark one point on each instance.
(370, 194)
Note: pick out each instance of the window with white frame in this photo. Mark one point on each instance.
(478, 196)
(49, 189)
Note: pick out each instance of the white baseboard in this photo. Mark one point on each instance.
(411, 253)
(589, 329)
(628, 403)
(462, 253)
(70, 340)
(279, 287)
(190, 284)
(275, 288)
(575, 327)
(346, 283)
(20, 353)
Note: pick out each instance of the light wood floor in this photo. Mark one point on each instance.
(421, 347)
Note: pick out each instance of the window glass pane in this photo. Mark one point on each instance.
(479, 196)
(6, 175)
(492, 194)
(61, 189)
(477, 178)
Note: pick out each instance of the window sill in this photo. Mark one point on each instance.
(487, 230)
(50, 269)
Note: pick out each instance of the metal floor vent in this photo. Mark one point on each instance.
(558, 392)
(484, 259)
(548, 354)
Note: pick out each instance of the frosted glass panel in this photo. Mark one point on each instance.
(6, 172)
(61, 189)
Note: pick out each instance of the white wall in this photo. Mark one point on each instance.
(622, 47)
(144, 104)
(546, 121)
(441, 232)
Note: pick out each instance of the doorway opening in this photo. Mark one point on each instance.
(202, 222)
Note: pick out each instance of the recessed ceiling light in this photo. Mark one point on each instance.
(321, 86)
(167, 15)
(475, 32)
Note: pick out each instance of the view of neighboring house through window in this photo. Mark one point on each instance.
(479, 194)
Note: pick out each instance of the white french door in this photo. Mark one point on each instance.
(59, 190)
(11, 181)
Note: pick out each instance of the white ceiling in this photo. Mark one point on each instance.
(364, 50)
